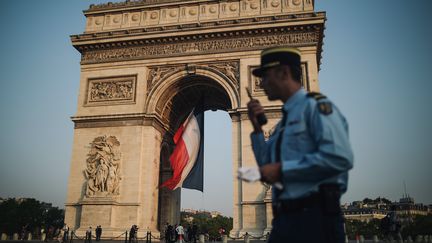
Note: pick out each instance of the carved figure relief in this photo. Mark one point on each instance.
(111, 90)
(255, 83)
(231, 69)
(196, 47)
(268, 191)
(159, 73)
(103, 167)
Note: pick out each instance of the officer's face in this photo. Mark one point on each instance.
(271, 82)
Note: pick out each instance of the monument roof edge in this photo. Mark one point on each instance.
(189, 28)
(110, 6)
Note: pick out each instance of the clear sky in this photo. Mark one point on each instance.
(376, 67)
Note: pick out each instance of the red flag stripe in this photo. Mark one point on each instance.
(187, 139)
(179, 159)
(178, 134)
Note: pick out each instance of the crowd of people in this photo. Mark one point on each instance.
(390, 227)
(178, 233)
(49, 233)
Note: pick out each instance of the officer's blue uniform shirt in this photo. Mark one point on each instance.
(315, 148)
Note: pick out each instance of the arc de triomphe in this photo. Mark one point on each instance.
(144, 65)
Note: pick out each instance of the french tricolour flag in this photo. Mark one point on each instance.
(187, 160)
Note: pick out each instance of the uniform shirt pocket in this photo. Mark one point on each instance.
(297, 137)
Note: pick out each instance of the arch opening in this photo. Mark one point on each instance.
(183, 95)
(173, 106)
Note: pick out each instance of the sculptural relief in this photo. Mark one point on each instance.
(230, 69)
(159, 73)
(111, 90)
(103, 167)
(195, 47)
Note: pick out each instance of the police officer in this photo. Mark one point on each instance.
(309, 153)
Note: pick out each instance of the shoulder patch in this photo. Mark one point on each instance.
(325, 108)
(317, 96)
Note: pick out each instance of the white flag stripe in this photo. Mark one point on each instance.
(191, 138)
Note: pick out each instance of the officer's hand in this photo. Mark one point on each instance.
(255, 109)
(271, 173)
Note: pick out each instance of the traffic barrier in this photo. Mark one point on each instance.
(224, 239)
(201, 238)
(246, 238)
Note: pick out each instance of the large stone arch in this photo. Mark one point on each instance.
(172, 96)
(144, 65)
(187, 76)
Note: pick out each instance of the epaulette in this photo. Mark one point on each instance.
(324, 107)
(317, 96)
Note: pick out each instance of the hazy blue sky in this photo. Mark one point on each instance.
(376, 67)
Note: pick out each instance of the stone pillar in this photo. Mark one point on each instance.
(169, 201)
(15, 236)
(269, 212)
(253, 207)
(4, 236)
(137, 198)
(308, 56)
(237, 184)
(151, 141)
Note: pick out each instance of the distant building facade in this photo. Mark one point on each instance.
(368, 209)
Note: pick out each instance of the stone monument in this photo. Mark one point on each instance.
(144, 64)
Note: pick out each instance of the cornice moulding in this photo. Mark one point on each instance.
(134, 5)
(218, 25)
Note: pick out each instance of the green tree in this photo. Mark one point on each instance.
(367, 229)
(53, 217)
(30, 213)
(209, 225)
(9, 221)
(421, 225)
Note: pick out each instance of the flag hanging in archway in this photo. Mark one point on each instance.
(187, 160)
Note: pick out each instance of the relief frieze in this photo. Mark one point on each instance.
(103, 167)
(159, 73)
(114, 90)
(230, 69)
(196, 47)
